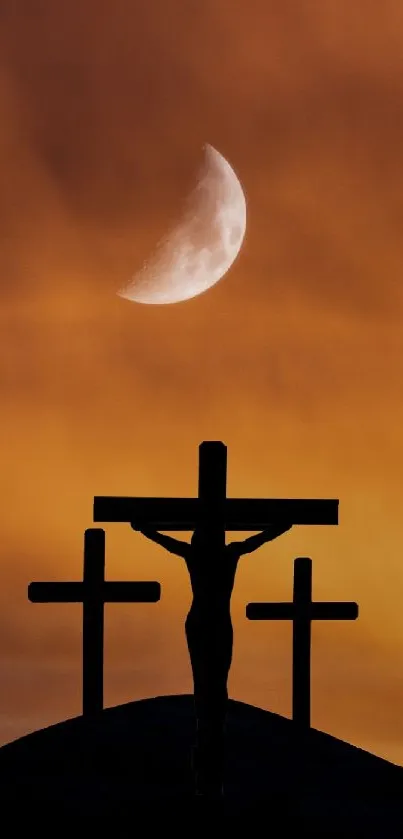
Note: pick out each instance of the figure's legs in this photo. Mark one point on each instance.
(210, 654)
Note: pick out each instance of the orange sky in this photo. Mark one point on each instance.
(294, 360)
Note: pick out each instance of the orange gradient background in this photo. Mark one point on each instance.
(294, 360)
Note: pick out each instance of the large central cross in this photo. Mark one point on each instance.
(212, 505)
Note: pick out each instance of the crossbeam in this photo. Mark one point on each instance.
(93, 592)
(238, 513)
(302, 611)
(212, 505)
(112, 592)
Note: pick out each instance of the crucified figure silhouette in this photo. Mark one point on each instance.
(212, 567)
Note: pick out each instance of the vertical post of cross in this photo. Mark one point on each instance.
(212, 491)
(301, 693)
(212, 482)
(93, 622)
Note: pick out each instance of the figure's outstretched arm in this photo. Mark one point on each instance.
(253, 542)
(174, 546)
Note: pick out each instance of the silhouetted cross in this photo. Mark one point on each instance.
(212, 505)
(301, 612)
(93, 593)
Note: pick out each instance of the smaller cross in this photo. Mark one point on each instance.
(93, 593)
(301, 612)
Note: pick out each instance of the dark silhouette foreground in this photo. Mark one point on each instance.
(138, 753)
(212, 567)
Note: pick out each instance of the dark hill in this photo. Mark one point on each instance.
(135, 764)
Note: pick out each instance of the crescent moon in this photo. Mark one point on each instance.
(202, 246)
